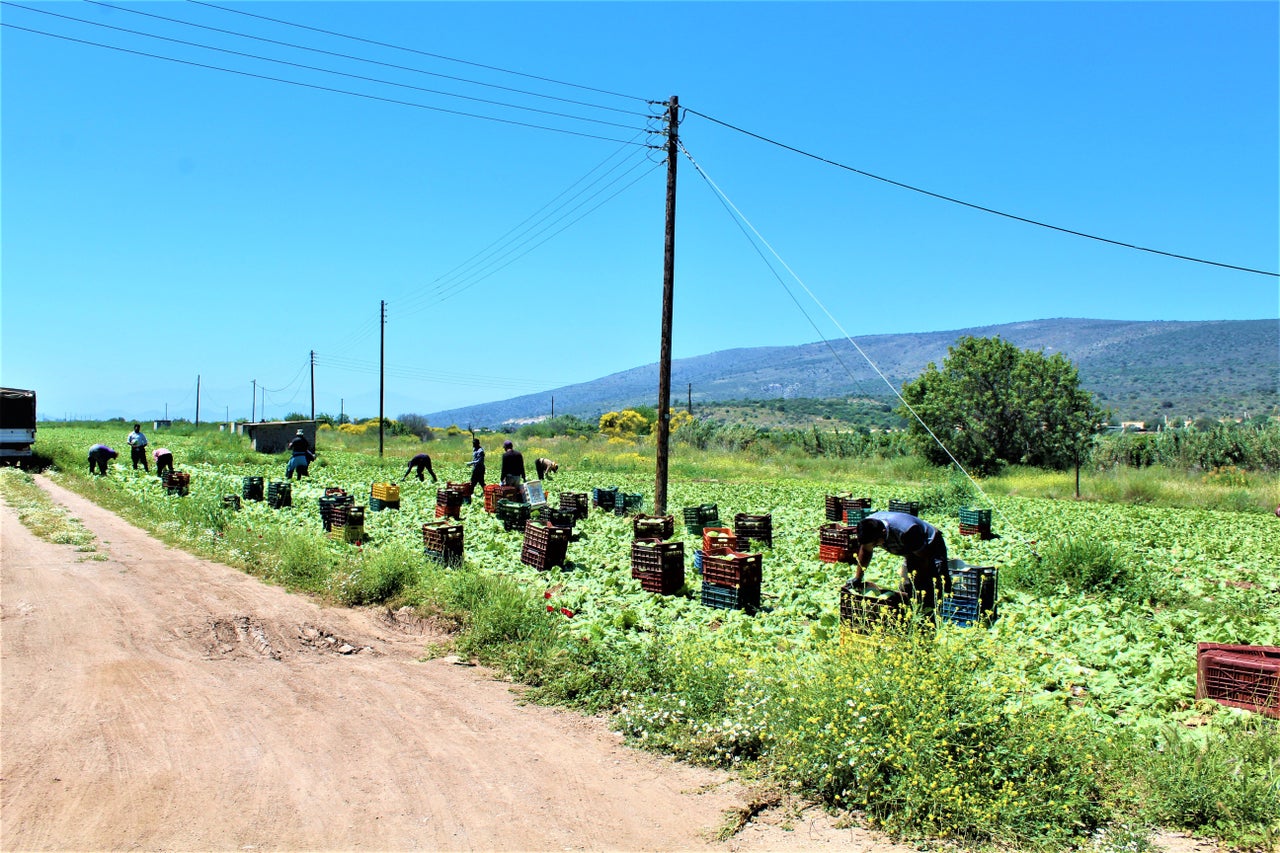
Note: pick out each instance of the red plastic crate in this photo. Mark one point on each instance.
(722, 545)
(834, 554)
(732, 570)
(1245, 677)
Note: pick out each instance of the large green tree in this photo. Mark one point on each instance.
(993, 403)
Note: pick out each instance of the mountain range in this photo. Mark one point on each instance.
(1140, 370)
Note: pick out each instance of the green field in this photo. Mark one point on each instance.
(1070, 720)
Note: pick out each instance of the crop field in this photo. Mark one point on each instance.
(1015, 732)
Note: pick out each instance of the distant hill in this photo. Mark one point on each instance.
(1140, 370)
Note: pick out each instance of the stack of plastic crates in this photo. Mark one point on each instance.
(279, 494)
(747, 528)
(731, 581)
(658, 565)
(544, 546)
(347, 523)
(575, 501)
(513, 515)
(975, 522)
(448, 503)
(698, 517)
(495, 492)
(251, 490)
(855, 509)
(442, 542)
(973, 595)
(176, 482)
(1240, 676)
(909, 507)
(837, 543)
(384, 496)
(653, 526)
(334, 500)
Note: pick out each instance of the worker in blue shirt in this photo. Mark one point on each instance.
(919, 543)
(138, 448)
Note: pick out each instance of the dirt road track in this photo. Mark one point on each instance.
(156, 701)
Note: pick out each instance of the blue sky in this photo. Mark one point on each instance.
(163, 221)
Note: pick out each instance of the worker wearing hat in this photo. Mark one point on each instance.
(300, 456)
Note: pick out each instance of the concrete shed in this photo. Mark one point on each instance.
(274, 436)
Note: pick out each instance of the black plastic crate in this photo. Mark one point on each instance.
(744, 598)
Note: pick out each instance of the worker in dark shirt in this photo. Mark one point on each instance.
(477, 465)
(919, 543)
(423, 463)
(512, 465)
(99, 456)
(300, 457)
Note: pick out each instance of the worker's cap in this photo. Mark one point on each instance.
(507, 443)
(300, 432)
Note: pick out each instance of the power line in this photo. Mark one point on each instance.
(316, 86)
(421, 52)
(303, 67)
(979, 207)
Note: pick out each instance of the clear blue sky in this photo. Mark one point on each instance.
(163, 221)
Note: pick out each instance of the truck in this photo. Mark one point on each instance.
(17, 425)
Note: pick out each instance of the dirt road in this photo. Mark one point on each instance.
(156, 701)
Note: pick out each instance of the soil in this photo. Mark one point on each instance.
(153, 700)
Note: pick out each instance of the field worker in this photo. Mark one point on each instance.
(477, 465)
(512, 465)
(138, 448)
(99, 456)
(545, 467)
(164, 460)
(300, 456)
(919, 543)
(423, 463)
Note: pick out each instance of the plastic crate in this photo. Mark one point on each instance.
(855, 514)
(697, 560)
(746, 599)
(982, 531)
(442, 537)
(542, 536)
(231, 501)
(838, 535)
(543, 558)
(176, 482)
(665, 582)
(835, 554)
(833, 506)
(353, 533)
(251, 489)
(279, 495)
(334, 506)
(909, 507)
(378, 505)
(604, 498)
(566, 518)
(975, 516)
(865, 607)
(972, 597)
(467, 490)
(385, 492)
(718, 540)
(655, 555)
(1245, 677)
(495, 493)
(734, 569)
(578, 502)
(648, 526)
(625, 503)
(753, 527)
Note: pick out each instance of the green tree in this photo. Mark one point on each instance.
(993, 403)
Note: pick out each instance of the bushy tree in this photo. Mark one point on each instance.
(993, 403)
(624, 423)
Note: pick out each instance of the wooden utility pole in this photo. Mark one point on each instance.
(668, 289)
(253, 410)
(313, 385)
(197, 399)
(382, 367)
(689, 405)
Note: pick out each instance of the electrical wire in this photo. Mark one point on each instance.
(315, 86)
(979, 207)
(357, 58)
(420, 52)
(303, 67)
(758, 236)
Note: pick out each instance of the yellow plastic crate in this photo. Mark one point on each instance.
(386, 492)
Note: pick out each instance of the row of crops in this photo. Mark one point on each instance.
(1101, 607)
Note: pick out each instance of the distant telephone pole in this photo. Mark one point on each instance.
(253, 410)
(313, 385)
(382, 367)
(690, 403)
(197, 399)
(668, 289)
